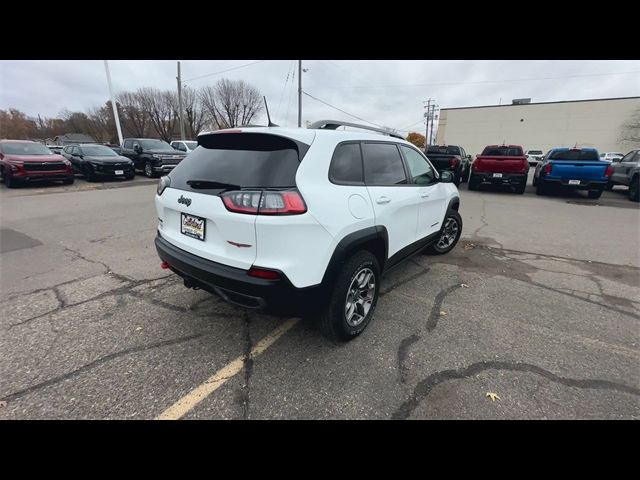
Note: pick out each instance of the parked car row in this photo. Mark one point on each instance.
(567, 168)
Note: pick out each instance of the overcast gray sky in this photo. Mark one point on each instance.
(386, 92)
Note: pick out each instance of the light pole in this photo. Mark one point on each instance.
(113, 103)
(180, 117)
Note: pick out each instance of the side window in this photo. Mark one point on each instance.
(128, 144)
(346, 165)
(419, 169)
(181, 147)
(135, 143)
(637, 159)
(383, 165)
(627, 157)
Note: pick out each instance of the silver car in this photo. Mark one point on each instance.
(626, 171)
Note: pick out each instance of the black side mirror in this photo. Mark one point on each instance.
(137, 148)
(446, 177)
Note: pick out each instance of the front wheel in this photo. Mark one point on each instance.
(609, 186)
(353, 299)
(9, 181)
(148, 169)
(449, 234)
(521, 188)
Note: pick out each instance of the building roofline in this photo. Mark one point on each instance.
(543, 103)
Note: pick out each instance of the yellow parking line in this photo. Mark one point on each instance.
(193, 398)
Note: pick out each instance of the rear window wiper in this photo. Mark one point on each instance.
(206, 184)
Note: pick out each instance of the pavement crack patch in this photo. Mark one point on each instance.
(77, 255)
(426, 386)
(98, 362)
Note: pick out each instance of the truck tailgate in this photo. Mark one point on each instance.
(578, 170)
(500, 164)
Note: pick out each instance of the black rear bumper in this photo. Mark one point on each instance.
(236, 286)
(513, 179)
(584, 184)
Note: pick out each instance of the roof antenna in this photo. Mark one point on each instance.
(268, 116)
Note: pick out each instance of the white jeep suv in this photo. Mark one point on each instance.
(303, 221)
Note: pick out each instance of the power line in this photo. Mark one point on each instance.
(478, 82)
(340, 110)
(223, 71)
(286, 123)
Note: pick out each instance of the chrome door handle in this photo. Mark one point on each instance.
(383, 199)
(424, 194)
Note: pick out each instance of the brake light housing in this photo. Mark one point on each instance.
(453, 162)
(547, 169)
(609, 171)
(264, 202)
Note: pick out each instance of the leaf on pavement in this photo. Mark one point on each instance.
(493, 396)
(464, 285)
(442, 312)
(3, 404)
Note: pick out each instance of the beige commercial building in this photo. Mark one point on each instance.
(610, 125)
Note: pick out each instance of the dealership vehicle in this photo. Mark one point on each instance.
(24, 161)
(575, 168)
(185, 145)
(450, 158)
(611, 156)
(534, 157)
(55, 149)
(500, 165)
(626, 171)
(94, 161)
(151, 155)
(303, 221)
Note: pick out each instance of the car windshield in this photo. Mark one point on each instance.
(155, 145)
(26, 148)
(574, 155)
(444, 150)
(535, 152)
(191, 145)
(98, 151)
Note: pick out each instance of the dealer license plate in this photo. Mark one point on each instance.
(192, 226)
(574, 182)
(497, 175)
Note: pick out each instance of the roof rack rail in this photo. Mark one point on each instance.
(334, 124)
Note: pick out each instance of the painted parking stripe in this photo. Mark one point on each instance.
(193, 398)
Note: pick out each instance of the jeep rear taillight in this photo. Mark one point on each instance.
(609, 171)
(267, 202)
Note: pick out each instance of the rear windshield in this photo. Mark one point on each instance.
(535, 152)
(502, 152)
(239, 160)
(574, 155)
(443, 150)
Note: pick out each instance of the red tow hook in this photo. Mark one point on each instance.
(164, 265)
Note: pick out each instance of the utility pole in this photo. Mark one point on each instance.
(426, 115)
(433, 112)
(180, 117)
(299, 93)
(113, 103)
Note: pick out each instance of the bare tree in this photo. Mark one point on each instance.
(161, 108)
(195, 116)
(135, 120)
(231, 103)
(630, 132)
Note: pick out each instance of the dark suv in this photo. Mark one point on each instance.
(95, 161)
(451, 158)
(23, 161)
(151, 155)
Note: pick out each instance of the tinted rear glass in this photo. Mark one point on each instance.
(502, 152)
(346, 165)
(535, 152)
(574, 155)
(443, 150)
(383, 164)
(240, 159)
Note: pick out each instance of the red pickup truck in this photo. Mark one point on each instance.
(500, 165)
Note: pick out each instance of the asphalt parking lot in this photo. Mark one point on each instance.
(539, 304)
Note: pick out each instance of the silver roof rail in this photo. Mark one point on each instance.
(334, 124)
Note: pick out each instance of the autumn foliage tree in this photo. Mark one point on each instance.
(417, 139)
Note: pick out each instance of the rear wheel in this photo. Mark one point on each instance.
(609, 186)
(541, 188)
(353, 299)
(473, 183)
(89, 174)
(521, 188)
(148, 169)
(594, 193)
(68, 181)
(449, 235)
(634, 189)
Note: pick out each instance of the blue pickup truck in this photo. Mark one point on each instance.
(577, 168)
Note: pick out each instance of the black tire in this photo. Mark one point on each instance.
(521, 188)
(594, 193)
(10, 182)
(434, 248)
(473, 184)
(332, 322)
(130, 176)
(89, 174)
(609, 186)
(68, 181)
(457, 179)
(541, 188)
(466, 175)
(148, 169)
(634, 189)
(534, 182)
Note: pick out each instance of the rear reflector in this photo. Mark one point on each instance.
(263, 273)
(164, 265)
(609, 171)
(453, 162)
(547, 168)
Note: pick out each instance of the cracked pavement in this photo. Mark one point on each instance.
(539, 303)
